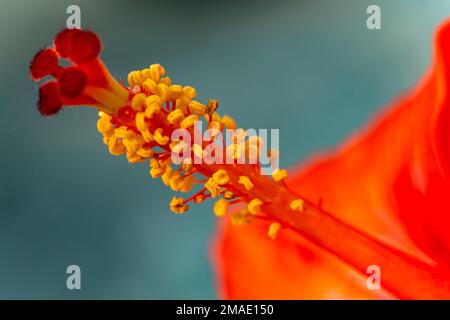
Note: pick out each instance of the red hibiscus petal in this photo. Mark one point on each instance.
(391, 181)
(250, 265)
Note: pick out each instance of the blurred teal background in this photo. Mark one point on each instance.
(310, 68)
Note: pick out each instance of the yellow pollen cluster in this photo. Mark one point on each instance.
(228, 122)
(240, 218)
(297, 205)
(221, 207)
(279, 174)
(154, 73)
(221, 177)
(122, 140)
(215, 184)
(274, 228)
(197, 108)
(160, 138)
(177, 205)
(159, 107)
(245, 181)
(142, 129)
(254, 206)
(175, 117)
(228, 195)
(213, 187)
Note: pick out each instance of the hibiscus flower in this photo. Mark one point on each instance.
(376, 203)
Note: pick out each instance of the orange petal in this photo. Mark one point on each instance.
(250, 265)
(391, 181)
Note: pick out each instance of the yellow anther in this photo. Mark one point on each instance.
(182, 103)
(212, 106)
(197, 108)
(123, 133)
(279, 174)
(176, 91)
(228, 122)
(221, 207)
(157, 168)
(254, 206)
(177, 205)
(216, 117)
(152, 110)
(145, 152)
(106, 139)
(153, 99)
(187, 165)
(160, 138)
(187, 183)
(157, 172)
(228, 195)
(150, 86)
(163, 91)
(181, 183)
(166, 80)
(167, 175)
(147, 135)
(141, 125)
(213, 188)
(221, 177)
(240, 218)
(175, 117)
(134, 78)
(297, 205)
(130, 79)
(115, 146)
(188, 121)
(133, 142)
(145, 74)
(157, 71)
(274, 228)
(246, 182)
(104, 115)
(138, 102)
(154, 163)
(104, 124)
(134, 157)
(189, 92)
(176, 181)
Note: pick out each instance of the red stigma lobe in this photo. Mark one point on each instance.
(72, 81)
(44, 63)
(85, 81)
(86, 46)
(63, 42)
(49, 99)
